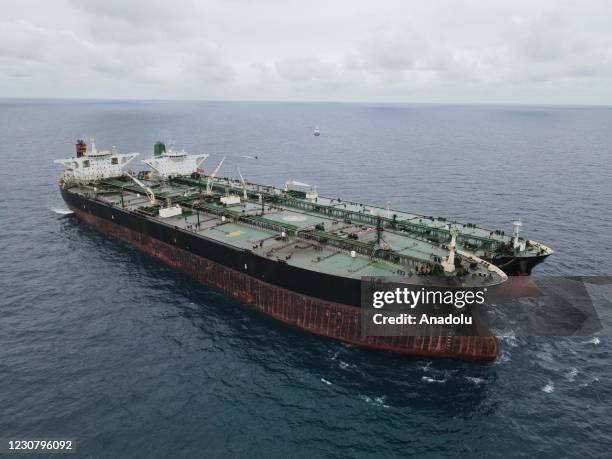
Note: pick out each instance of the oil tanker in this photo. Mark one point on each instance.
(287, 251)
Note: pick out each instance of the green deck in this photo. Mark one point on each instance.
(339, 238)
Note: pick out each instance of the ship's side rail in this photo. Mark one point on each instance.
(426, 232)
(199, 202)
(421, 230)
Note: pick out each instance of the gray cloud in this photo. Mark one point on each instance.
(139, 12)
(390, 51)
(457, 51)
(119, 48)
(542, 49)
(305, 68)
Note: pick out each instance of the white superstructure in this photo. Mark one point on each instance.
(172, 163)
(94, 164)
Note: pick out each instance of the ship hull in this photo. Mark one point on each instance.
(314, 302)
(517, 266)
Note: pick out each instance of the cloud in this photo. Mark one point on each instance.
(548, 48)
(173, 67)
(451, 50)
(390, 51)
(545, 38)
(139, 12)
(22, 40)
(540, 49)
(305, 68)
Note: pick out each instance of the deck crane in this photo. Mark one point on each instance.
(448, 263)
(294, 182)
(245, 196)
(211, 176)
(148, 191)
(166, 211)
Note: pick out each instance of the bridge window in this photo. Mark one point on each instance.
(114, 160)
(86, 163)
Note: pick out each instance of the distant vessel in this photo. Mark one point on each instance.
(291, 254)
(316, 131)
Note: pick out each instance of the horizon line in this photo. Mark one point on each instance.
(298, 101)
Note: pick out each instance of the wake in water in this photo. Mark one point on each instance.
(571, 375)
(549, 388)
(427, 379)
(475, 380)
(378, 401)
(59, 211)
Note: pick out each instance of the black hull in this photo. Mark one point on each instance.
(315, 302)
(517, 266)
(326, 287)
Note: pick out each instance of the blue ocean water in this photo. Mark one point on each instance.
(104, 345)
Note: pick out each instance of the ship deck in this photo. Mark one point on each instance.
(312, 241)
(480, 241)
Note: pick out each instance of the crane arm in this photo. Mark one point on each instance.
(211, 176)
(148, 191)
(243, 183)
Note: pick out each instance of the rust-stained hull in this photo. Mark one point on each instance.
(312, 314)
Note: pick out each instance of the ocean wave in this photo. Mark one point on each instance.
(588, 383)
(549, 388)
(61, 211)
(426, 367)
(504, 357)
(378, 401)
(427, 379)
(510, 340)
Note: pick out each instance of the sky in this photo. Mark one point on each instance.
(436, 51)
